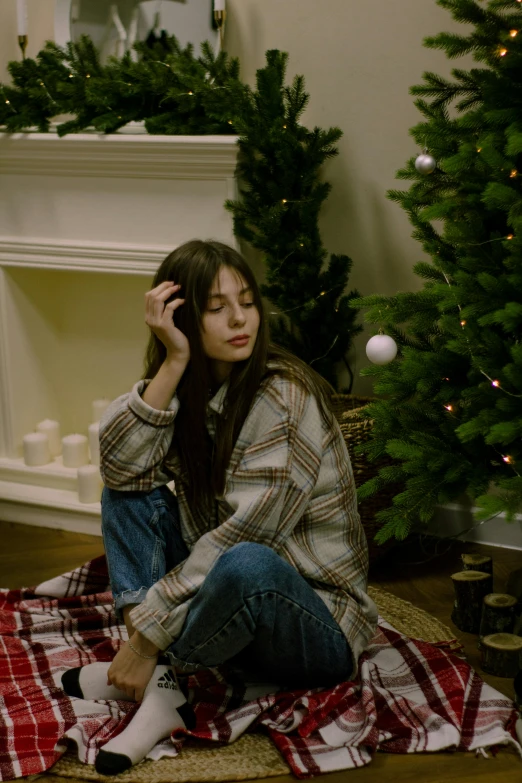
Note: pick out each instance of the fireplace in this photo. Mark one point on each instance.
(85, 221)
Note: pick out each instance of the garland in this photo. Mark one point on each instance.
(174, 92)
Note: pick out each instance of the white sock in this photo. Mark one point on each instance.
(90, 682)
(157, 716)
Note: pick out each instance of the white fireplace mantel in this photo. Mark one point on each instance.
(85, 220)
(120, 155)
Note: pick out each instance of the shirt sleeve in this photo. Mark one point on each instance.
(134, 439)
(267, 494)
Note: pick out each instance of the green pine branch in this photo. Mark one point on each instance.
(450, 407)
(172, 91)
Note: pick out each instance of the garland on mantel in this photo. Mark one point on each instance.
(173, 92)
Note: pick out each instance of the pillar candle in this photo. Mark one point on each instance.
(75, 451)
(98, 408)
(21, 13)
(89, 484)
(52, 430)
(94, 442)
(36, 449)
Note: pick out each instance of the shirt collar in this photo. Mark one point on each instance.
(217, 401)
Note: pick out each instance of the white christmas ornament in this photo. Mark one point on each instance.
(425, 164)
(381, 349)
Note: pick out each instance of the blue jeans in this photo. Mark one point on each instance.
(254, 611)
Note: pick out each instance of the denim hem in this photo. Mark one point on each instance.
(187, 668)
(127, 597)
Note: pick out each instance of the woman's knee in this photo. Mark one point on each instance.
(249, 564)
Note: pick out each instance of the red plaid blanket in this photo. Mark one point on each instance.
(410, 696)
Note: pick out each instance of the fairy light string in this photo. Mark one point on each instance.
(300, 307)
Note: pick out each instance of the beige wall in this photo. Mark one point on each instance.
(359, 60)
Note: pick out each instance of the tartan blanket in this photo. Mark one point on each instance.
(410, 696)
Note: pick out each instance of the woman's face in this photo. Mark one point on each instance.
(230, 312)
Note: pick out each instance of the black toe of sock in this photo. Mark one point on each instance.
(71, 682)
(187, 715)
(111, 763)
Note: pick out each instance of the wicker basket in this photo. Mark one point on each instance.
(356, 429)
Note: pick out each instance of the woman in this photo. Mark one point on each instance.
(259, 560)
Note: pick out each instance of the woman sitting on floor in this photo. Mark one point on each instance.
(259, 560)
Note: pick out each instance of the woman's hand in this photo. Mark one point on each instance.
(160, 318)
(131, 673)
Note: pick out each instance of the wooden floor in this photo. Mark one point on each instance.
(32, 554)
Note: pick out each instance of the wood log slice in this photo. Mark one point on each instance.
(514, 584)
(470, 588)
(501, 654)
(498, 614)
(472, 562)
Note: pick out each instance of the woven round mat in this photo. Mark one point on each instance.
(252, 755)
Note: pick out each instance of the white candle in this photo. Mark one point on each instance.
(89, 484)
(98, 408)
(52, 430)
(21, 13)
(94, 442)
(75, 451)
(36, 449)
(219, 5)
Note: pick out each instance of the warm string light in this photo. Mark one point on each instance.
(508, 459)
(498, 385)
(503, 52)
(302, 305)
(317, 358)
(513, 33)
(327, 352)
(47, 91)
(488, 241)
(493, 381)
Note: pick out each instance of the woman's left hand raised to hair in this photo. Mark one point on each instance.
(129, 672)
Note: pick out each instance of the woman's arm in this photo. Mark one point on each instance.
(162, 387)
(136, 432)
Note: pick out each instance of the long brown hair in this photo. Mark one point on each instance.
(195, 265)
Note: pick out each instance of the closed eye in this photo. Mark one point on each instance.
(217, 309)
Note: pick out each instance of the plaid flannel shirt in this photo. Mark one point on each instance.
(289, 485)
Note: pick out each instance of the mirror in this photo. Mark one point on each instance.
(115, 26)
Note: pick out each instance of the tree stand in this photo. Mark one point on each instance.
(501, 654)
(498, 614)
(470, 588)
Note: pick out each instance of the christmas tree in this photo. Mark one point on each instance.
(172, 91)
(450, 414)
